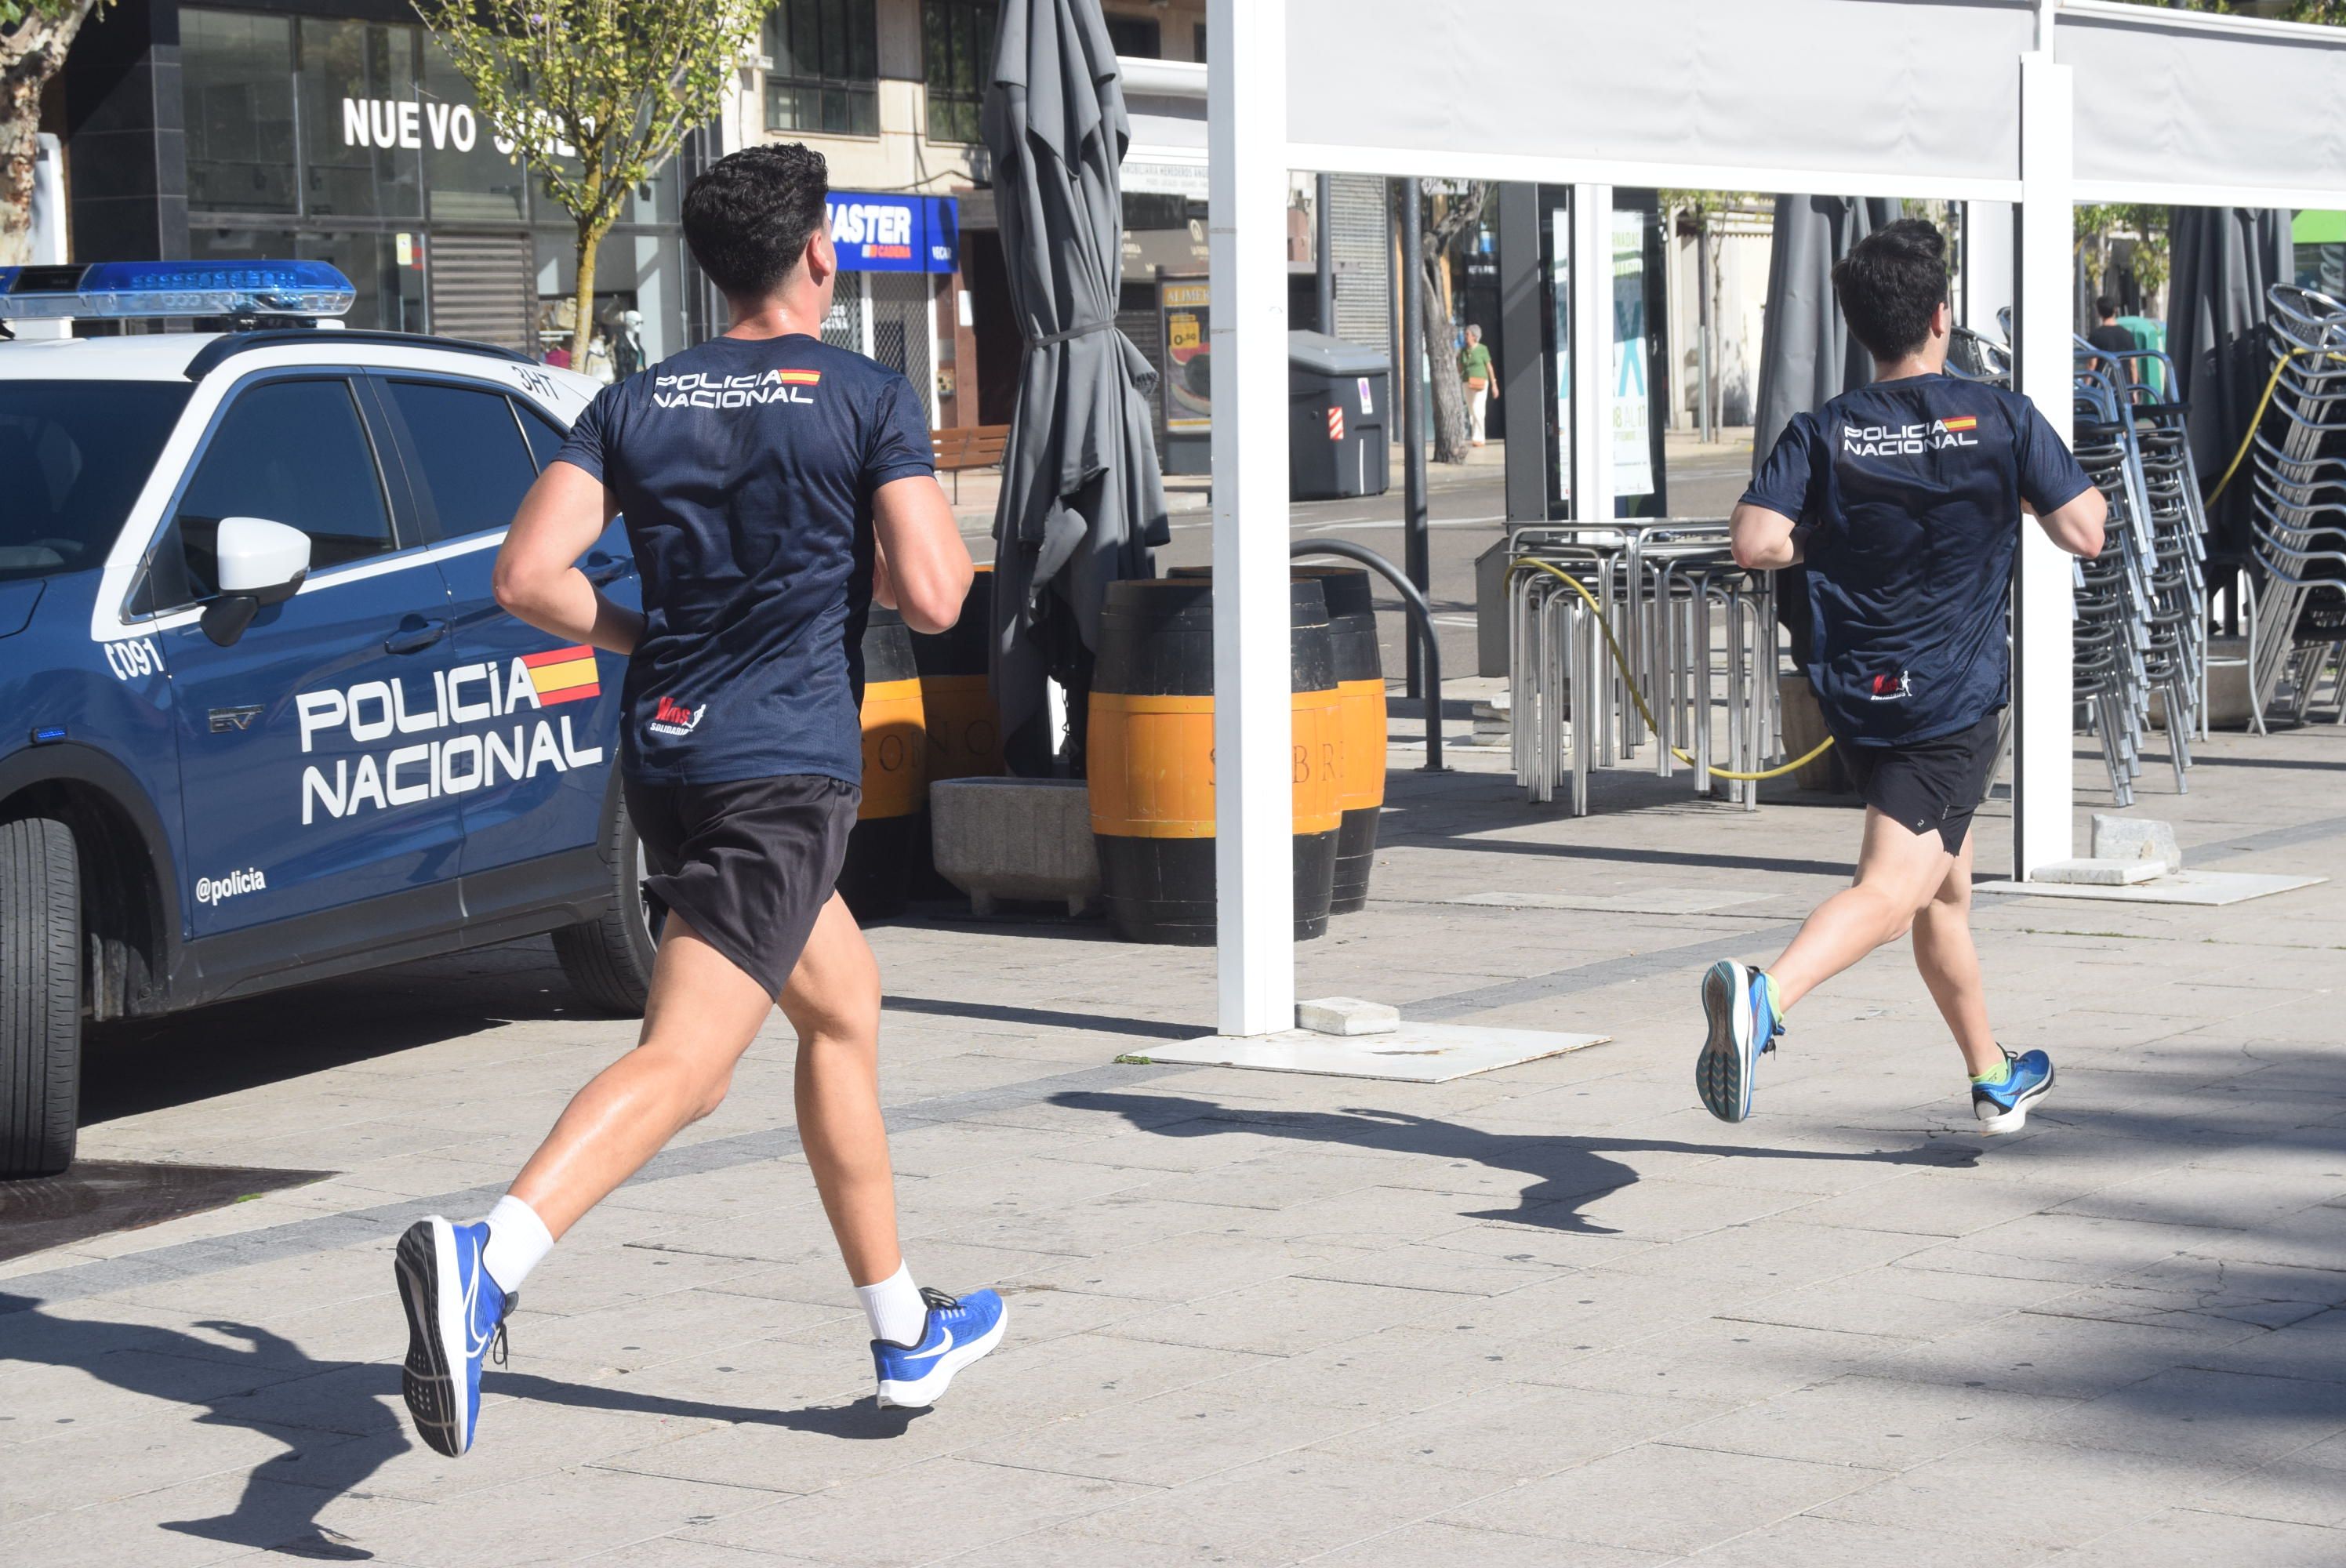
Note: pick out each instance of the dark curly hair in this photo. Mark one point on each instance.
(749, 215)
(1889, 285)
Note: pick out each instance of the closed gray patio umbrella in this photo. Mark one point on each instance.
(2224, 259)
(1083, 500)
(1807, 357)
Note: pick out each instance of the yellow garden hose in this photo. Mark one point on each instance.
(2258, 418)
(1622, 659)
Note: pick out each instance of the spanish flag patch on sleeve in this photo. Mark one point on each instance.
(564, 675)
(1966, 422)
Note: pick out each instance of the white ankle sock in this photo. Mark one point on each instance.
(895, 1308)
(519, 1242)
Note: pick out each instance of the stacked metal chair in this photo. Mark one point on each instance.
(1688, 621)
(2111, 643)
(2296, 622)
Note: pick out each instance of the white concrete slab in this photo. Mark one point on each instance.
(2099, 873)
(1414, 1053)
(2182, 888)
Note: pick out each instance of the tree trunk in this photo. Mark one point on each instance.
(30, 53)
(1449, 411)
(582, 332)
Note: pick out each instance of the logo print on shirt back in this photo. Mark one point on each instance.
(671, 717)
(697, 388)
(1909, 440)
(1890, 687)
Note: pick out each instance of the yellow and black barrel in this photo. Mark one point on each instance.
(876, 879)
(1360, 693)
(1151, 760)
(964, 726)
(957, 703)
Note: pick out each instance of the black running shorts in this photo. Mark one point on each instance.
(1931, 785)
(749, 862)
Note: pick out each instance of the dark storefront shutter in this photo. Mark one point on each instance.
(482, 288)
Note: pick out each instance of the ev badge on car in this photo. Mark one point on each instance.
(230, 720)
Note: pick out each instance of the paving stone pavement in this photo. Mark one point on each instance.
(1554, 1315)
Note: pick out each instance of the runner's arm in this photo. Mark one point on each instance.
(1763, 538)
(2076, 524)
(537, 576)
(921, 564)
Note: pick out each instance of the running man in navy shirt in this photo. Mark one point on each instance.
(1904, 500)
(773, 487)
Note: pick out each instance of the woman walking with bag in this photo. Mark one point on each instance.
(1474, 365)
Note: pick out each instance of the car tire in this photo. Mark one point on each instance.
(40, 997)
(609, 961)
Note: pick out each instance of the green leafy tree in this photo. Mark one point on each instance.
(595, 95)
(34, 38)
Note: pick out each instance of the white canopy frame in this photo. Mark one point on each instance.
(1975, 100)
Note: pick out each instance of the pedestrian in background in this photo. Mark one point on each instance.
(2113, 337)
(1475, 366)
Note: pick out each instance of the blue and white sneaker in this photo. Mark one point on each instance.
(2003, 1108)
(456, 1313)
(958, 1331)
(1743, 1026)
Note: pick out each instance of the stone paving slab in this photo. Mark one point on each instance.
(1549, 1315)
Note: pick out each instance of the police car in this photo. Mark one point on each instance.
(264, 721)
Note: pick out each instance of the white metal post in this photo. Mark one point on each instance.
(2044, 830)
(1246, 119)
(1591, 329)
(867, 340)
(1987, 263)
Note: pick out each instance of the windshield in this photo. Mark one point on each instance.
(73, 456)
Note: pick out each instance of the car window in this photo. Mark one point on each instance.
(545, 437)
(295, 453)
(473, 464)
(73, 457)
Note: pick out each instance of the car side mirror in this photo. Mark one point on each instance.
(262, 563)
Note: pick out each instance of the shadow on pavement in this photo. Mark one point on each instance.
(284, 1493)
(1048, 1018)
(147, 1064)
(1565, 1171)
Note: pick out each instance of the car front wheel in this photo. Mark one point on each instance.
(40, 997)
(609, 961)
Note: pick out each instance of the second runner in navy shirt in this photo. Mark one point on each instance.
(1911, 492)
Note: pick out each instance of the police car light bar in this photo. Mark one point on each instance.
(160, 288)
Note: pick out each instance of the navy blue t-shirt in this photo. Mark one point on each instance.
(745, 470)
(1912, 492)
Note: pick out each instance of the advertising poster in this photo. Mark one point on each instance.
(1189, 380)
(1632, 411)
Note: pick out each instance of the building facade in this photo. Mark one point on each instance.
(336, 129)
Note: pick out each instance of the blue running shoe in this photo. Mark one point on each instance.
(958, 1331)
(1743, 1026)
(456, 1313)
(2003, 1108)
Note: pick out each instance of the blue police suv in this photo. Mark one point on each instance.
(261, 719)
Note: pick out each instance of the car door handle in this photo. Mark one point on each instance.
(416, 639)
(603, 570)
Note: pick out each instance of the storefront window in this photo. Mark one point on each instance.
(825, 74)
(362, 127)
(470, 180)
(385, 271)
(238, 72)
(957, 56)
(639, 302)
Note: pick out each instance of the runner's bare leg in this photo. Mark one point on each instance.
(1943, 952)
(1898, 871)
(702, 1015)
(833, 1002)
